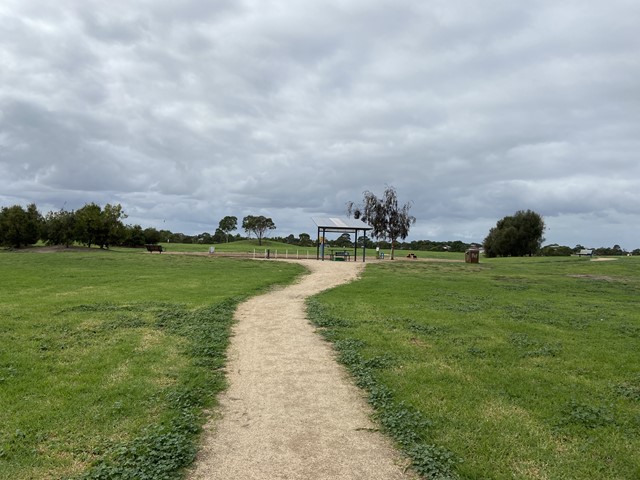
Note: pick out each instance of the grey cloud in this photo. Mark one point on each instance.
(189, 111)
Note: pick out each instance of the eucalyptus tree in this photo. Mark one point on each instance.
(389, 220)
(259, 226)
(227, 225)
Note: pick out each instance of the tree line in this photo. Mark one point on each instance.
(89, 225)
(92, 225)
(521, 234)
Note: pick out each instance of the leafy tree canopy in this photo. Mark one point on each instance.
(227, 225)
(151, 235)
(259, 226)
(516, 235)
(60, 228)
(97, 226)
(305, 240)
(20, 227)
(344, 240)
(388, 220)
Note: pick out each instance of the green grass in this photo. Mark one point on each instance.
(250, 246)
(108, 358)
(523, 368)
(241, 246)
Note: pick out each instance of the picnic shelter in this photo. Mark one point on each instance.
(340, 225)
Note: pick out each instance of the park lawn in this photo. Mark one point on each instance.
(110, 357)
(240, 246)
(523, 368)
(279, 249)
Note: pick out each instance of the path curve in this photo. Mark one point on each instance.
(291, 412)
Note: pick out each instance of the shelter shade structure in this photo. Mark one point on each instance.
(340, 225)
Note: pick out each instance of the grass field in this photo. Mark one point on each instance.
(109, 357)
(279, 249)
(241, 246)
(525, 368)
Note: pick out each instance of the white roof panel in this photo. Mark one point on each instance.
(340, 224)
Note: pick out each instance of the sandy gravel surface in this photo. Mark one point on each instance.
(291, 411)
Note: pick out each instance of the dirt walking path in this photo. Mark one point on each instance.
(290, 411)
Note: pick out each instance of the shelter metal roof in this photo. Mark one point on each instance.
(336, 224)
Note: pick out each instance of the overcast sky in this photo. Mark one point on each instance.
(187, 111)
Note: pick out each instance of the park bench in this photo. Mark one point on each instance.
(154, 248)
(340, 256)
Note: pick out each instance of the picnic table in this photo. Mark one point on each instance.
(340, 256)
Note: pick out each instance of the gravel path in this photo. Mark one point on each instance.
(291, 412)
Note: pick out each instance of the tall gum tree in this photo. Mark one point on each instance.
(259, 226)
(227, 225)
(388, 220)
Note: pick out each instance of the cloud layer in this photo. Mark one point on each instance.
(185, 112)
